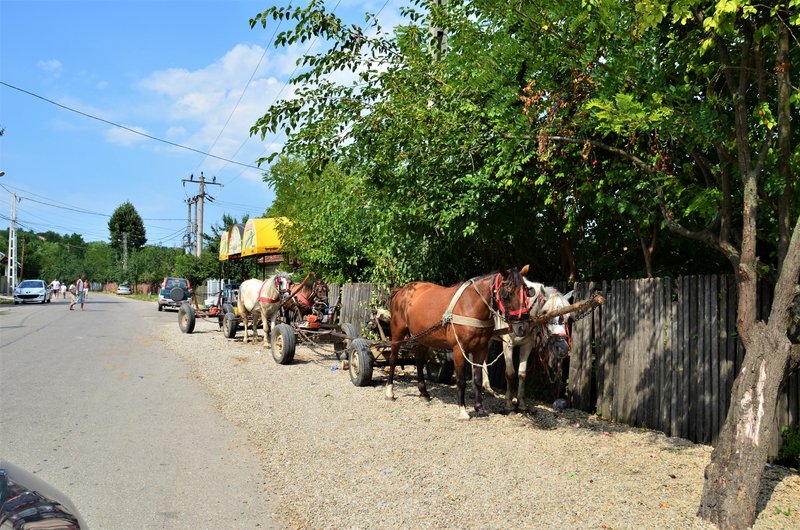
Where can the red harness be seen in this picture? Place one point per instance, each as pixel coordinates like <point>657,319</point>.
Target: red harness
<point>262,298</point>
<point>518,314</point>
<point>303,300</point>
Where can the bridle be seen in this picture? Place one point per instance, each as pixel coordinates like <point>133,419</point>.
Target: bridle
<point>566,335</point>
<point>516,315</point>
<point>281,286</point>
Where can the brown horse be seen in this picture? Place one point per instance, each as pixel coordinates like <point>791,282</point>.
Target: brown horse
<point>460,318</point>
<point>304,297</point>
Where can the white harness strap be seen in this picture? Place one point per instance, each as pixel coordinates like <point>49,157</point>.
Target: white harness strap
<point>450,318</point>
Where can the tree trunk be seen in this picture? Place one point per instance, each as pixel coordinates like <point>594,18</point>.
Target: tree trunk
<point>733,478</point>
<point>784,143</point>
<point>568,257</point>
<point>649,248</point>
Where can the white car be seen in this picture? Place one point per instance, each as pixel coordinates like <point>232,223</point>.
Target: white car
<point>32,291</point>
<point>124,288</point>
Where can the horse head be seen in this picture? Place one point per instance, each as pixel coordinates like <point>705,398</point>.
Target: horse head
<point>559,329</point>
<point>512,301</point>
<point>319,291</point>
<point>283,283</point>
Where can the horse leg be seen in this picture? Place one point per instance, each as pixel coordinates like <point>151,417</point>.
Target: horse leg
<point>397,339</point>
<point>508,355</point>
<point>477,382</point>
<point>461,381</point>
<point>421,354</point>
<point>524,355</point>
<point>254,322</point>
<point>266,323</point>
<point>245,318</point>
<point>487,385</point>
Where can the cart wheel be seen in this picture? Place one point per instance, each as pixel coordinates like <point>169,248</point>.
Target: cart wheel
<point>440,372</point>
<point>282,342</point>
<point>228,308</point>
<point>229,325</point>
<point>360,362</point>
<point>186,318</point>
<point>340,348</point>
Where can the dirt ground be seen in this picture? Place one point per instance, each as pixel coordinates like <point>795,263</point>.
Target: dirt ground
<point>337,455</point>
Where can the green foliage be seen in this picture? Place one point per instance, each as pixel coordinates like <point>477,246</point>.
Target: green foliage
<point>150,264</point>
<point>195,269</point>
<point>544,133</point>
<point>126,220</point>
<point>100,264</point>
<point>789,453</point>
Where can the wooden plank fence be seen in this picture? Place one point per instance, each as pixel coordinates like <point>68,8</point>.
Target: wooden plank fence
<point>358,300</point>
<point>660,353</point>
<point>663,355</point>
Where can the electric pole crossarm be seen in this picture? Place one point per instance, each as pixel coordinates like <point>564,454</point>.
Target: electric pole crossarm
<point>198,201</point>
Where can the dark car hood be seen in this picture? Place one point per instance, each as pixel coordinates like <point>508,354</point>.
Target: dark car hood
<point>28,502</point>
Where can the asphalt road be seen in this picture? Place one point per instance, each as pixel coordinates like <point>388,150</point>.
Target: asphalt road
<point>90,403</point>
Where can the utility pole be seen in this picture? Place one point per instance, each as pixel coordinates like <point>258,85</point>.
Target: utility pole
<point>11,266</point>
<point>198,200</point>
<point>189,230</point>
<point>124,251</point>
<point>438,35</point>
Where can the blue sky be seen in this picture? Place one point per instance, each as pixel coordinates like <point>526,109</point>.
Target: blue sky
<point>176,70</point>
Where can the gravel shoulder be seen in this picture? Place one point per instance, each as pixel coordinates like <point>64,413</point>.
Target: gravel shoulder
<point>338,456</point>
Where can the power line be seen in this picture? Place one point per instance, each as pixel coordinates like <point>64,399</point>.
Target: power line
<point>128,128</point>
<point>26,218</point>
<point>246,86</point>
<point>286,84</point>
<point>76,209</point>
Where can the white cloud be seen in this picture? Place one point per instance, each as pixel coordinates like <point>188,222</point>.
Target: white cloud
<point>213,108</point>
<point>125,137</point>
<point>176,133</point>
<point>51,66</point>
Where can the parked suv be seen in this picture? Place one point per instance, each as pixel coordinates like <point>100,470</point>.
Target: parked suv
<point>174,291</point>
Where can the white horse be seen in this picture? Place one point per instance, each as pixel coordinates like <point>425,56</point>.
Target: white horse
<point>550,341</point>
<point>262,299</point>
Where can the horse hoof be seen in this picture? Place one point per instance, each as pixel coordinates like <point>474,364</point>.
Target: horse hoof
<point>426,399</point>
<point>390,398</point>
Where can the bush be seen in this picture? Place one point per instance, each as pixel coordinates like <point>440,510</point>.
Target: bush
<point>789,454</point>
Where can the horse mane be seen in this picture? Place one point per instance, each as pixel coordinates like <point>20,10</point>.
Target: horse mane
<point>516,279</point>
<point>551,296</point>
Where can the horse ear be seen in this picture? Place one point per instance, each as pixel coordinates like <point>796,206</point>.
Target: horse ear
<point>569,296</point>
<point>524,270</point>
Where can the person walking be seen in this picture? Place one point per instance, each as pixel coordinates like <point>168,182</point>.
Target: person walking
<point>80,293</point>
<point>64,290</point>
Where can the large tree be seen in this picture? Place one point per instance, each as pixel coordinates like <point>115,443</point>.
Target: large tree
<point>570,124</point>
<point>126,222</point>
<point>697,96</point>
<point>433,165</point>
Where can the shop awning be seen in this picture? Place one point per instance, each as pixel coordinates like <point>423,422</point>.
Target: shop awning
<point>224,243</point>
<point>261,236</point>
